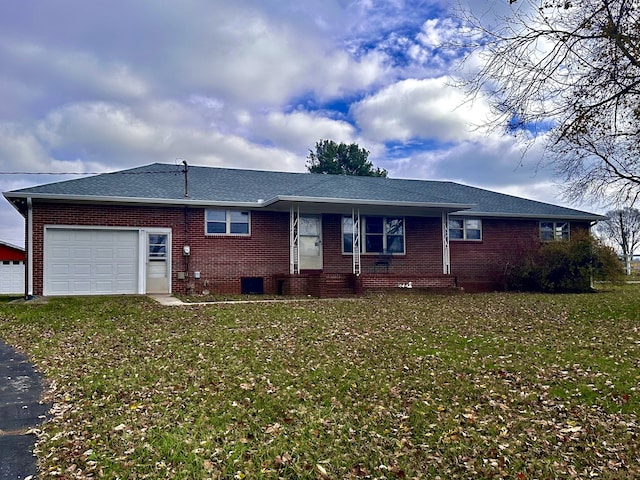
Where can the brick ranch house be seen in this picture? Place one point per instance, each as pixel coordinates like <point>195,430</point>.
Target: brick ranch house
<point>171,229</point>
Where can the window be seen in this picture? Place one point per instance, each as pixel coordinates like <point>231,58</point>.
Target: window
<point>226,222</point>
<point>550,231</point>
<point>465,229</point>
<point>380,234</point>
<point>347,235</point>
<point>157,247</point>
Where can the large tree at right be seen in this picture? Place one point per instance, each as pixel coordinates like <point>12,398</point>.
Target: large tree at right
<point>567,71</point>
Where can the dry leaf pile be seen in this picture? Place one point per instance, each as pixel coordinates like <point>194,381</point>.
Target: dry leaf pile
<point>489,386</point>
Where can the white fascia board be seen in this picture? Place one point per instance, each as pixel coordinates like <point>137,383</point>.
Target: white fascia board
<point>131,200</point>
<point>11,245</point>
<point>360,201</point>
<point>530,216</point>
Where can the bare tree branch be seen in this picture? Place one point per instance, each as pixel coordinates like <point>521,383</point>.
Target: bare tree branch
<point>569,72</point>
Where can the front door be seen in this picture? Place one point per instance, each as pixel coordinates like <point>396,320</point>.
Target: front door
<point>310,242</point>
<point>157,263</point>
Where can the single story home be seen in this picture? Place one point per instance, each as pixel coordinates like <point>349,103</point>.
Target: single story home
<point>11,269</point>
<point>164,228</point>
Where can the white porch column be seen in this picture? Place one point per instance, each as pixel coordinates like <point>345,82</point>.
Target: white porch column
<point>294,240</point>
<point>355,241</point>
<point>446,255</point>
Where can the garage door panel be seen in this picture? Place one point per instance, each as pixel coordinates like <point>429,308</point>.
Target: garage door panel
<point>80,270</point>
<point>86,261</point>
<point>107,253</point>
<point>61,253</point>
<point>83,253</point>
<point>59,269</point>
<point>104,269</point>
<point>126,270</point>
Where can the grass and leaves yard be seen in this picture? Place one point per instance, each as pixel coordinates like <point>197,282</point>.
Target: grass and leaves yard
<point>517,386</point>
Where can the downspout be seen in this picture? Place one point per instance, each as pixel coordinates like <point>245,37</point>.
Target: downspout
<point>186,240</point>
<point>591,285</point>
<point>29,240</point>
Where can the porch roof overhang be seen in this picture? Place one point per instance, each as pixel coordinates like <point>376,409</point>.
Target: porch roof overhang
<point>370,206</point>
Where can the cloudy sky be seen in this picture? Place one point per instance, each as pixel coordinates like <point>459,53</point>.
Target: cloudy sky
<point>100,86</point>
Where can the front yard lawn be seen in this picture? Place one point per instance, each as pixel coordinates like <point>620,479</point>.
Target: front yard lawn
<point>516,386</point>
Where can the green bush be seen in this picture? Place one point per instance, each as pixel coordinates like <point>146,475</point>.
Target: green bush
<point>567,266</point>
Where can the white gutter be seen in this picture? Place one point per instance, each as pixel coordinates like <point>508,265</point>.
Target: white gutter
<point>535,216</point>
<point>130,200</point>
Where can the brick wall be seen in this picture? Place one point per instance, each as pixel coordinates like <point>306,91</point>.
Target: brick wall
<point>482,265</point>
<point>223,260</point>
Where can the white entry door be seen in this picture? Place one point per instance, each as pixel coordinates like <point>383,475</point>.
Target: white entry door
<point>310,242</point>
<point>157,263</point>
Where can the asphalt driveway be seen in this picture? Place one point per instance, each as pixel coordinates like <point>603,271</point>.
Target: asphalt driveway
<point>21,388</point>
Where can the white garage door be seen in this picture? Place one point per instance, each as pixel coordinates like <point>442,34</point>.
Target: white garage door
<point>90,262</point>
<point>11,276</point>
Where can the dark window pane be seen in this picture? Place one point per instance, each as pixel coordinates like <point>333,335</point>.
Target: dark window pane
<point>395,244</point>
<point>456,234</point>
<point>374,225</point>
<point>157,239</point>
<point>240,228</point>
<point>347,243</point>
<point>473,234</point>
<point>374,243</point>
<point>216,227</point>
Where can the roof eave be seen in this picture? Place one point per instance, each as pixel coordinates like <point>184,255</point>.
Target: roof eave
<point>128,200</point>
<point>528,216</point>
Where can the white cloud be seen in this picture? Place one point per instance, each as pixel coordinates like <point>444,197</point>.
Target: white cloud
<point>20,150</point>
<point>250,84</point>
<point>426,109</point>
<point>299,131</point>
<point>105,131</point>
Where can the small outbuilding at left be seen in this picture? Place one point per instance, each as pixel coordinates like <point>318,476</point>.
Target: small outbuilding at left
<point>12,259</point>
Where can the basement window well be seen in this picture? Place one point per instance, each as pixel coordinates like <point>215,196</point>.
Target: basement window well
<point>252,285</point>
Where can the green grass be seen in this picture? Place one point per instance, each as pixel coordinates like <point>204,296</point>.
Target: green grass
<point>517,386</point>
<point>9,298</point>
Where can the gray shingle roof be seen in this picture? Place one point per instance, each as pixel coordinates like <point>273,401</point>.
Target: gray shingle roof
<point>163,183</point>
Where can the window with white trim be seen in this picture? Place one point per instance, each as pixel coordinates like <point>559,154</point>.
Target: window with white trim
<point>553,231</point>
<point>379,234</point>
<point>227,222</point>
<point>465,229</point>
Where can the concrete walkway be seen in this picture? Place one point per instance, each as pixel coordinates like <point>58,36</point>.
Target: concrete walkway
<point>21,389</point>
<point>171,301</point>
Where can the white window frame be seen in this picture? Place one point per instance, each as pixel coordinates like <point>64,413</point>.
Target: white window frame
<point>558,231</point>
<point>227,222</point>
<point>384,234</point>
<point>465,229</point>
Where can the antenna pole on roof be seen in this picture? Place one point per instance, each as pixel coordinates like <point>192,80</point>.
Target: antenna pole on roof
<point>186,178</point>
